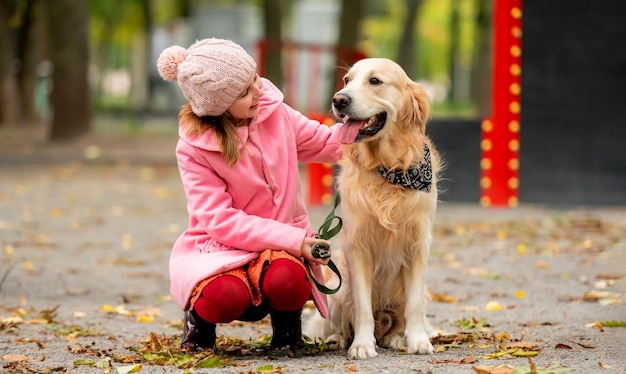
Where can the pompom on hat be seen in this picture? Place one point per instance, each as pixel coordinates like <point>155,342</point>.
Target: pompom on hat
<point>212,73</point>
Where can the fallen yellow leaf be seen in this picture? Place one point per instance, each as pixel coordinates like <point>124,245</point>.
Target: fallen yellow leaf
<point>128,369</point>
<point>460,230</point>
<point>120,309</point>
<point>145,318</point>
<point>598,295</point>
<point>498,354</point>
<point>162,192</point>
<point>165,297</point>
<point>524,353</point>
<point>146,174</point>
<point>504,336</point>
<point>14,358</point>
<point>9,250</point>
<point>173,228</point>
<point>484,369</point>
<point>127,242</point>
<point>93,152</point>
<point>609,302</point>
<point>15,319</point>
<point>493,306</point>
<point>442,298</point>
<point>598,325</point>
<point>520,294</point>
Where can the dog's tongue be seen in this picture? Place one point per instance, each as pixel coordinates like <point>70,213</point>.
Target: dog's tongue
<point>349,131</point>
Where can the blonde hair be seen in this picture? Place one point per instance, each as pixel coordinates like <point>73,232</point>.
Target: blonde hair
<point>224,127</point>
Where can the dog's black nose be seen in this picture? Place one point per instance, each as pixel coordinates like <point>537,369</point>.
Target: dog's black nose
<point>341,101</point>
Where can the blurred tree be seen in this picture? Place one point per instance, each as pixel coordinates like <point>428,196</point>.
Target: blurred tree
<point>69,98</point>
<point>453,48</point>
<point>407,48</point>
<point>273,20</point>
<point>481,64</point>
<point>148,28</point>
<point>352,13</point>
<point>19,50</point>
<point>25,54</point>
<point>5,60</point>
<point>112,29</point>
<point>183,8</point>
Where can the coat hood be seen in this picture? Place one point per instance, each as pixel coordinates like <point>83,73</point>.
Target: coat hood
<point>272,98</point>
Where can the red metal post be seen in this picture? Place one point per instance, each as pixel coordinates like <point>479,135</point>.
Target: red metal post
<point>320,176</point>
<point>500,142</point>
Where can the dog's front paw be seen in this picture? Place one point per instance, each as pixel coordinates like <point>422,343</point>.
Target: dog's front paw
<point>419,343</point>
<point>336,341</point>
<point>362,348</point>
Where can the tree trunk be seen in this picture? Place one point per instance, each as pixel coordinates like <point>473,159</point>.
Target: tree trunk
<point>18,62</point>
<point>453,51</point>
<point>352,12</point>
<point>184,8</point>
<point>26,54</point>
<point>273,13</point>
<point>146,8</point>
<point>481,62</point>
<point>408,45</point>
<point>68,23</point>
<point>5,62</point>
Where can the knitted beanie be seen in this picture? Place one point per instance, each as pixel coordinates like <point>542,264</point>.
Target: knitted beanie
<point>212,73</point>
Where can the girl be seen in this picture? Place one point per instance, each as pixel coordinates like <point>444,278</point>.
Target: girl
<point>238,154</point>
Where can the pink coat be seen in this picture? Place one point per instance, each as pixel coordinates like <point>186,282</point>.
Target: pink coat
<point>237,212</point>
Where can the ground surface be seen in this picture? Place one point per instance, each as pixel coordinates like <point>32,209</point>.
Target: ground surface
<point>85,233</point>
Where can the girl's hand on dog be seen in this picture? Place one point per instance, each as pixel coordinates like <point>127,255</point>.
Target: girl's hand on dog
<point>305,250</point>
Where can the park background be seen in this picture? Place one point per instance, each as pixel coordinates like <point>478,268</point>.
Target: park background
<point>91,200</point>
<point>73,67</point>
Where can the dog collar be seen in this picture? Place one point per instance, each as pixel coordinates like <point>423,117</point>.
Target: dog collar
<point>418,177</point>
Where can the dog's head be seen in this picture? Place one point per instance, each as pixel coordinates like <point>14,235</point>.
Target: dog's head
<point>377,93</point>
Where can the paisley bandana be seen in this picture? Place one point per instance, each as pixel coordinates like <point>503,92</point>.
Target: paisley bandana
<point>418,177</point>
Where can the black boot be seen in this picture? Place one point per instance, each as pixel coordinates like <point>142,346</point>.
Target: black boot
<point>198,334</point>
<point>287,331</point>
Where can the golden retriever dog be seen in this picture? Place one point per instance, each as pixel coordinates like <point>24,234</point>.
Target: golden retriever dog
<point>388,188</point>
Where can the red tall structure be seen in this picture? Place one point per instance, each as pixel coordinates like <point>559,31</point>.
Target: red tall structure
<point>500,142</point>
<point>320,177</point>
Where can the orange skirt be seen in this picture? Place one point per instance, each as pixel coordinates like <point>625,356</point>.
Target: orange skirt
<point>249,274</point>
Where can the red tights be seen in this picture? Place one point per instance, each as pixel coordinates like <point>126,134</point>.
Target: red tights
<point>284,286</point>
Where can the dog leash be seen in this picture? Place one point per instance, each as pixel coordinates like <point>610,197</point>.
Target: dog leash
<point>331,227</point>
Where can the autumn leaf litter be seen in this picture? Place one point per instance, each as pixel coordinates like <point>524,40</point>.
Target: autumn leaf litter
<point>84,287</point>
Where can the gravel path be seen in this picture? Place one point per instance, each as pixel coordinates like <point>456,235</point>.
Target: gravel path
<point>85,235</point>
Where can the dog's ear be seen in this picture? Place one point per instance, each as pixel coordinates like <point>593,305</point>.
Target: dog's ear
<point>416,106</point>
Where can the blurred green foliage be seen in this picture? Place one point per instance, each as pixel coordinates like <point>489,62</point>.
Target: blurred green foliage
<point>116,25</point>
<point>381,34</point>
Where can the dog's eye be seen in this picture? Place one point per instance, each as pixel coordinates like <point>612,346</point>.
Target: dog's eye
<point>346,80</point>
<point>375,81</point>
